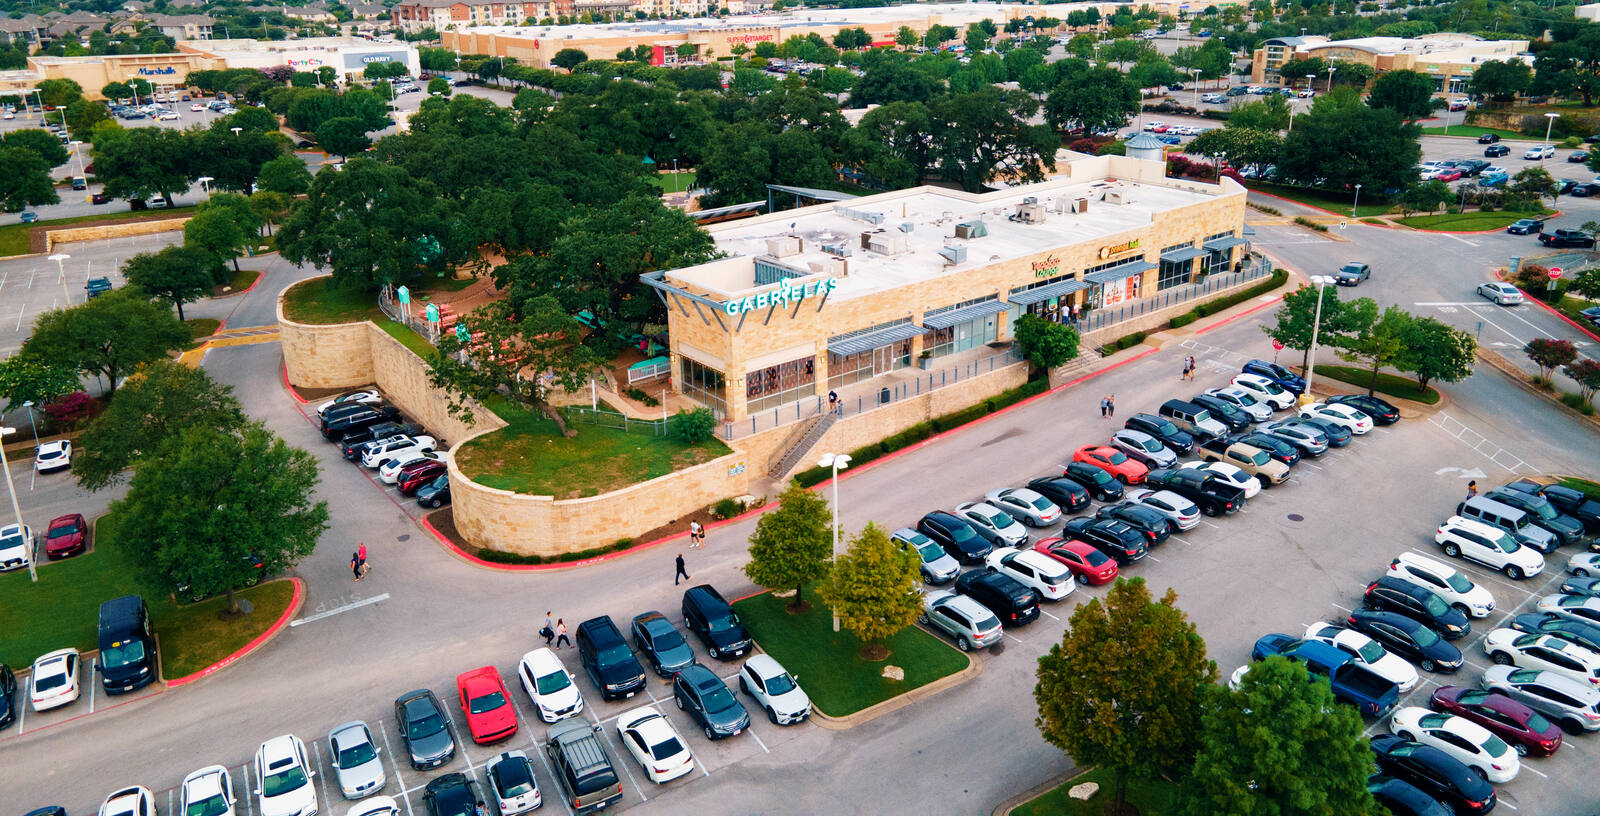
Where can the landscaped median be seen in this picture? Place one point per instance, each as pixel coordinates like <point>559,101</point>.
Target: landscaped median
<point>1152,798</point>
<point>828,664</point>
<point>1387,384</point>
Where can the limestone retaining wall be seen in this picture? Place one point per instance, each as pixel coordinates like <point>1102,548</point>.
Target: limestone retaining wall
<point>122,230</point>
<point>872,426</point>
<point>403,378</point>
<point>337,355</point>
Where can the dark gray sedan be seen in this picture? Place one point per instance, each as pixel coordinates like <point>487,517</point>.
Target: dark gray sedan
<point>424,729</point>
<point>1352,274</point>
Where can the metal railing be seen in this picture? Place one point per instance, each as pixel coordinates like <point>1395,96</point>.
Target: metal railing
<point>652,369</point>
<point>579,415</point>
<point>1109,316</point>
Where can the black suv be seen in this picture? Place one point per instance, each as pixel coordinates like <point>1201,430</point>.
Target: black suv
<point>607,658</point>
<point>1567,238</point>
<point>1010,601</point>
<point>1411,639</point>
<point>8,696</point>
<point>709,616</point>
<point>1381,410</point>
<point>1112,537</point>
<point>1574,503</point>
<point>350,418</point>
<point>1146,519</point>
<point>963,540</point>
<point>1488,138</point>
<point>1226,412</point>
<point>1210,492</point>
<point>1424,605</point>
<point>1096,480</point>
<point>1066,493</point>
<point>1180,442</point>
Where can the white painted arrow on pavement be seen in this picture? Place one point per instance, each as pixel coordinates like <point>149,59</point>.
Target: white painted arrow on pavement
<point>1465,474</point>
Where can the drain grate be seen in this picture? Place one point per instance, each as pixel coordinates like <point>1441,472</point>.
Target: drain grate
<point>1296,517</point>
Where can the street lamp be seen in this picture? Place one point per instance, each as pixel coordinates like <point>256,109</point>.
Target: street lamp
<point>61,259</point>
<point>204,182</point>
<point>77,153</point>
<point>1356,203</point>
<point>835,462</point>
<point>236,131</point>
<point>1330,78</point>
<point>1316,326</point>
<point>1194,82</point>
<point>16,510</point>
<point>29,405</point>
<point>1549,122</point>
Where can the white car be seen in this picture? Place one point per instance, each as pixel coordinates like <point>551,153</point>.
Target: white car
<point>1232,474</point>
<point>1264,390</point>
<point>16,547</point>
<point>1539,152</point>
<point>53,456</point>
<point>998,521</point>
<point>284,778</point>
<point>1025,505</point>
<point>167,116</point>
<point>1460,738</point>
<point>1503,294</point>
<point>55,680</point>
<point>1181,513</point>
<point>197,107</point>
<point>354,757</point>
<point>1582,565</point>
<point>366,396</point>
<point>1443,580</point>
<point>134,801</point>
<point>389,472</point>
<point>511,781</point>
<point>1508,647</point>
<point>382,452</point>
<point>549,685</point>
<point>1352,418</point>
<point>1048,578</point>
<point>775,690</point>
<point>655,744</point>
<point>1366,652</point>
<point>1144,448</point>
<point>1571,607</point>
<point>1236,679</point>
<point>1240,398</point>
<point>1490,546</point>
<point>375,806</point>
<point>206,792</point>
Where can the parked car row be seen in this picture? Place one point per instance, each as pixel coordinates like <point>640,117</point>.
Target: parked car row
<point>379,438</point>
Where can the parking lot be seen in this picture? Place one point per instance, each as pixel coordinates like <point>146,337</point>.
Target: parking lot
<point>34,285</point>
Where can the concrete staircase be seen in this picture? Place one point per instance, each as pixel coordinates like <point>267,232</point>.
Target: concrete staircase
<point>800,442</point>
<point>1074,368</point>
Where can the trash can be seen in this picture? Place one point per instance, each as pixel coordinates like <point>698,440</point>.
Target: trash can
<point>883,396</point>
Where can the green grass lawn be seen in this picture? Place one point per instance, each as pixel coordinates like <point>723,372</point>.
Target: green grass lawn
<point>242,280</point>
<point>1152,797</point>
<point>14,237</point>
<point>1464,222</point>
<point>1584,486</point>
<point>1394,386</point>
<point>202,326</point>
<point>826,662</point>
<point>1474,132</point>
<point>670,182</point>
<point>399,331</point>
<point>314,301</point>
<point>1331,200</point>
<point>531,456</point>
<point>1573,306</point>
<point>63,609</point>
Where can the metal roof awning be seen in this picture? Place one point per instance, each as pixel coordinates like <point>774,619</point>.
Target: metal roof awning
<point>1119,272</point>
<point>877,339</point>
<point>1180,255</point>
<point>945,320</point>
<point>1039,294</point>
<point>1220,244</point>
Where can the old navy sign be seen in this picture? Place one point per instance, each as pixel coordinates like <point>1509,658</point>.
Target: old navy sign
<point>785,293</point>
<point>157,71</point>
<point>378,58</point>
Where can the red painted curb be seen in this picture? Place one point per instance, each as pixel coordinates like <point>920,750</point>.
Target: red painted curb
<point>287,387</point>
<point>283,620</point>
<point>80,716</point>
<point>248,289</point>
<point>1558,313</point>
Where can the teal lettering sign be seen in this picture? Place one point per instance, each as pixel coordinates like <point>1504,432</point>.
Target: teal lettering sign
<point>784,294</point>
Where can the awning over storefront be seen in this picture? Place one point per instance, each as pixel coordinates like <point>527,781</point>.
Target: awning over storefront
<point>945,320</point>
<point>1119,272</point>
<point>1180,255</point>
<point>877,339</point>
<point>1229,242</point>
<point>1040,294</point>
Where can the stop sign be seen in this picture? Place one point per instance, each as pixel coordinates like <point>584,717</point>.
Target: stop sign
<point>1277,345</point>
<point>1555,273</point>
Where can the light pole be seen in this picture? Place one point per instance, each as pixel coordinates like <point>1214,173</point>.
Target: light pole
<point>1194,82</point>
<point>16,510</point>
<point>1356,203</point>
<point>1330,78</point>
<point>61,269</point>
<point>236,131</point>
<point>205,181</point>
<point>29,405</point>
<point>1549,122</point>
<point>1316,326</point>
<point>77,153</point>
<point>835,462</point>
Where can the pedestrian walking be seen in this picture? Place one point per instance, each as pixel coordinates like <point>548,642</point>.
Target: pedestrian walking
<point>1184,375</point>
<point>1192,366</point>
<point>1103,404</point>
<point>697,535</point>
<point>1074,314</point>
<point>1472,488</point>
<point>1111,406</point>
<point>833,401</point>
<point>547,631</point>
<point>680,573</point>
<point>355,565</point>
<point>561,633</point>
<point>361,555</point>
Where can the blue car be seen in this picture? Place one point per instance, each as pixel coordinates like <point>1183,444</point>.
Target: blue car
<point>1493,179</point>
<point>1167,138</point>
<point>1286,379</point>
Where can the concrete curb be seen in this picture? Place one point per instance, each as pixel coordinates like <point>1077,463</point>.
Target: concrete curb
<point>259,641</point>
<point>899,701</point>
<point>1558,313</point>
<point>1504,366</point>
<point>1005,808</point>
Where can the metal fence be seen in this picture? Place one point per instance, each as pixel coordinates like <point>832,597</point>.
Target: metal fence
<point>579,415</point>
<point>651,369</point>
<point>413,319</point>
<point>1109,316</point>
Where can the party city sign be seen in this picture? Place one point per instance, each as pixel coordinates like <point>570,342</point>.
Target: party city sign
<point>784,294</point>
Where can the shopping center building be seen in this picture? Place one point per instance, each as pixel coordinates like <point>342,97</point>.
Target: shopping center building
<point>1449,59</point>
<point>813,300</point>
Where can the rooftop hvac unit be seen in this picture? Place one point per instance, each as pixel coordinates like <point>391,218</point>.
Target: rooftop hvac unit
<point>783,246</point>
<point>1030,200</point>
<point>838,250</point>
<point>907,226</point>
<point>1118,197</point>
<point>955,254</point>
<point>1028,212</point>
<point>866,238</point>
<point>859,215</point>
<point>887,243</point>
<point>829,266</point>
<point>971,229</point>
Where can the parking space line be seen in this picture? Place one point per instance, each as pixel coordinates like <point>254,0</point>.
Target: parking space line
<point>1529,769</point>
<point>322,775</point>
<point>625,769</point>
<point>1209,524</point>
<point>92,684</point>
<point>169,801</point>
<point>692,754</point>
<point>27,694</point>
<point>1153,558</point>
<point>394,762</point>
<point>545,761</point>
<point>1311,465</point>
<point>1013,637</point>
<point>1509,805</point>
<point>753,735</point>
<point>454,735</point>
<point>1183,540</point>
<point>1048,615</point>
<point>1345,608</point>
<point>249,804</point>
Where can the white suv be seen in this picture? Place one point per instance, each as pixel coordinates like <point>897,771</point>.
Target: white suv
<point>1540,152</point>
<point>1490,546</point>
<point>394,447</point>
<point>1036,571</point>
<point>1265,390</point>
<point>1445,581</point>
<point>1508,647</point>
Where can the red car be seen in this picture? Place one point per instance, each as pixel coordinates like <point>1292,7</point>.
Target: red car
<point>1112,461</point>
<point>413,476</point>
<point>490,716</point>
<point>1525,729</point>
<point>65,537</point>
<point>1448,174</point>
<point>1088,565</point>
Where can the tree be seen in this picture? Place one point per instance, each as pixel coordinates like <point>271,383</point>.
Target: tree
<point>1297,315</point>
<point>1586,373</point>
<point>1407,93</point>
<point>1270,114</point>
<point>343,136</point>
<point>1122,689</point>
<point>1240,146</point>
<point>1101,99</point>
<point>83,115</point>
<point>976,39</point>
<point>1427,196</point>
<point>1435,351</point>
<point>165,399</point>
<point>370,224</point>
<point>116,90</point>
<point>26,181</point>
<point>326,76</point>
<point>1550,355</point>
<point>144,162</point>
<point>439,86</point>
<point>1499,80</point>
<point>270,207</point>
<point>875,589</point>
<point>176,274</point>
<point>214,509</point>
<point>1367,146</point>
<point>569,58</point>
<point>905,37</point>
<point>1587,282</point>
<point>543,338</point>
<point>1281,744</point>
<point>30,379</point>
<point>215,233</point>
<point>41,142</point>
<point>792,545</point>
<point>58,93</point>
<point>1379,339</point>
<point>1046,344</point>
<point>986,136</point>
<point>108,336</point>
<point>285,174</point>
<point>1532,183</point>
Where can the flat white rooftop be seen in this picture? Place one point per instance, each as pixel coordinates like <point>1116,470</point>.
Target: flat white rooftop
<point>934,215</point>
<point>956,14</point>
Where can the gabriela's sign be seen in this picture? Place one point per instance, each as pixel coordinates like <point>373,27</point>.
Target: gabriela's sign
<point>785,293</point>
<point>1118,249</point>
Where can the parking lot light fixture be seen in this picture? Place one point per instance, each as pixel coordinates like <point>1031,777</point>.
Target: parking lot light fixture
<point>16,509</point>
<point>835,462</point>
<point>61,259</point>
<point>1549,122</point>
<point>1316,324</point>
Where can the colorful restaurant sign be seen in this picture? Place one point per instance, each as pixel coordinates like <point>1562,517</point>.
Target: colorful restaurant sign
<point>1118,249</point>
<point>1047,267</point>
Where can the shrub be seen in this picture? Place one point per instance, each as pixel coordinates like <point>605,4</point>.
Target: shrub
<point>638,395</point>
<point>502,557</point>
<point>1577,403</point>
<point>1212,307</point>
<point>1184,319</point>
<point>71,409</point>
<point>1264,208</point>
<point>694,426</point>
<point>727,508</point>
<point>1085,145</point>
<point>1306,222</point>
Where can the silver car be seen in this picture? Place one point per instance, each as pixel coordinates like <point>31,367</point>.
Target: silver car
<point>937,565</point>
<point>1244,401</point>
<point>1025,505</point>
<point>355,760</point>
<point>1181,513</point>
<point>1007,529</point>
<point>1144,448</point>
<point>1571,607</point>
<point>1310,441</point>
<point>962,618</point>
<point>1573,705</point>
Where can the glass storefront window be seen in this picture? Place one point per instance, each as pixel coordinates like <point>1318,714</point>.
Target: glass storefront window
<point>783,383</point>
<point>705,384</point>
